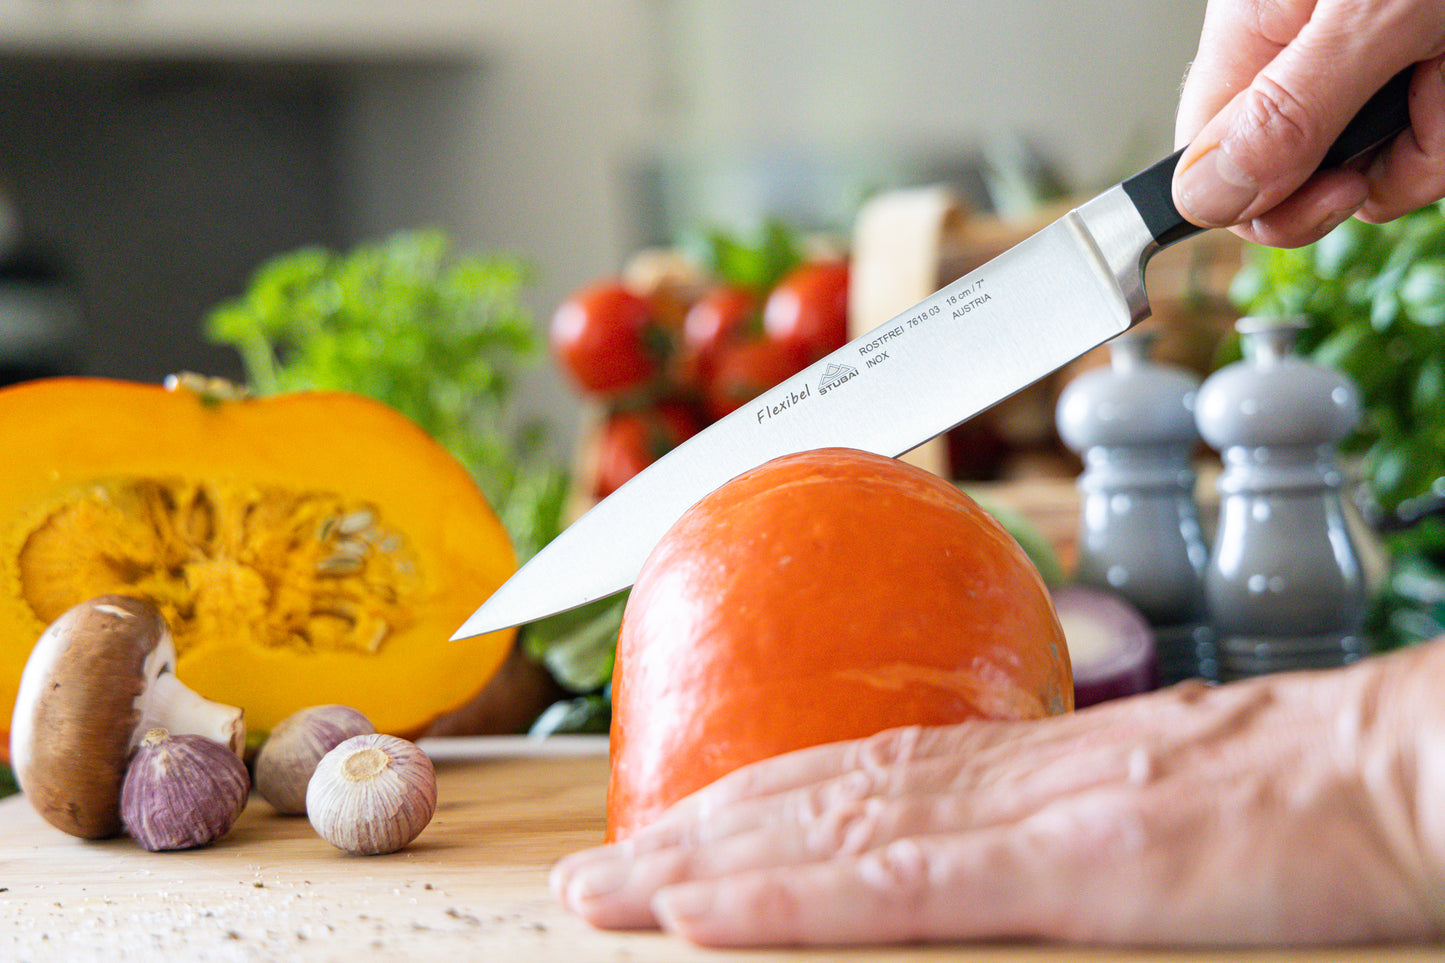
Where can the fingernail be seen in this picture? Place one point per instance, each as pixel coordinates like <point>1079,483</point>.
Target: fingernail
<point>679,904</point>
<point>1215,190</point>
<point>597,879</point>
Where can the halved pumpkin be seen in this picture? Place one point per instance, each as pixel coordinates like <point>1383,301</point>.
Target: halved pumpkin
<point>305,548</point>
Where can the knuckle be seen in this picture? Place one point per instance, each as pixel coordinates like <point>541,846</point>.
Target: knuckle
<point>847,829</point>
<point>810,805</point>
<point>901,870</point>
<point>1286,121</point>
<point>885,756</point>
<point>1273,20</point>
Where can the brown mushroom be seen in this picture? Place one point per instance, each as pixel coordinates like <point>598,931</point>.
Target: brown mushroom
<point>98,678</point>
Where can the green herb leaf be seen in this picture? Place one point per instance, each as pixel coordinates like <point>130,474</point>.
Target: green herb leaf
<point>757,264</point>
<point>578,647</point>
<point>1374,300</point>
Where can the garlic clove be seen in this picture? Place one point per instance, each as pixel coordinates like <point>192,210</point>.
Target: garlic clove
<point>372,794</point>
<point>290,753</point>
<point>181,791</point>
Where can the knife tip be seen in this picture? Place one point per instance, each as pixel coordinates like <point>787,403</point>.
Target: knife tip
<point>479,623</point>
<point>470,629</point>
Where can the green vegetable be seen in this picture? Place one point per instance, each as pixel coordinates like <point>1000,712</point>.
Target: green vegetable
<point>578,647</point>
<point>1031,539</point>
<point>440,339</point>
<point>1373,297</point>
<point>757,264</point>
<point>584,714</point>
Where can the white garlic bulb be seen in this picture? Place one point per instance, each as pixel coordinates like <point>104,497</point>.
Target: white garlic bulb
<point>290,753</point>
<point>372,794</point>
<point>181,791</point>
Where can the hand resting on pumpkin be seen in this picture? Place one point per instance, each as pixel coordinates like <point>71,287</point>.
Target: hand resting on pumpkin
<point>1306,808</point>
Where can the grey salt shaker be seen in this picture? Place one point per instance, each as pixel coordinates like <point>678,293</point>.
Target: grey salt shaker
<point>1285,585</point>
<point>1139,532</point>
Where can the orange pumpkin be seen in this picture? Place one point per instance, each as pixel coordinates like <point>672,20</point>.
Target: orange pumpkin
<point>824,596</point>
<point>304,548</point>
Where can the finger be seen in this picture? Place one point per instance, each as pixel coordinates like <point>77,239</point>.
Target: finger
<point>717,829</point>
<point>603,883</point>
<point>1323,203</point>
<point>1131,743</point>
<point>1026,759</point>
<point>1271,136</point>
<point>1003,882</point>
<point>884,752</point>
<point>798,787</point>
<point>616,888</point>
<point>1236,42</point>
<point>1410,172</point>
<point>613,887</point>
<point>900,749</point>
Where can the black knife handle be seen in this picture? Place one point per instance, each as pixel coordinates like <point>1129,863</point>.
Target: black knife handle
<point>1383,116</point>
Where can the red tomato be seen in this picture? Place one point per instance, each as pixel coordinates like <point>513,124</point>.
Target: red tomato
<point>809,309</point>
<point>603,337</point>
<point>743,370</point>
<point>723,314</point>
<point>632,440</point>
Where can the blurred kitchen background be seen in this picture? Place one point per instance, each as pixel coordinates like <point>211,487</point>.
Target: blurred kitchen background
<point>154,152</point>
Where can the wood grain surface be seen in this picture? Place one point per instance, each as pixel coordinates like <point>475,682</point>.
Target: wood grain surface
<point>472,887</point>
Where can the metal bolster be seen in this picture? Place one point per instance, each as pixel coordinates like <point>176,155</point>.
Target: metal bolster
<point>1111,227</point>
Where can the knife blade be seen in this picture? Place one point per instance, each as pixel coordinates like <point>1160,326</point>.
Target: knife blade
<point>1056,295</point>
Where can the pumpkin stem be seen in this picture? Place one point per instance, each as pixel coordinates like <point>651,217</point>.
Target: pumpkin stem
<point>211,390</point>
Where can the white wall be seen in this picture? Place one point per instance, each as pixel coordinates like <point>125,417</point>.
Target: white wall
<point>525,151</point>
<point>571,95</point>
<point>1093,80</point>
<point>518,125</point>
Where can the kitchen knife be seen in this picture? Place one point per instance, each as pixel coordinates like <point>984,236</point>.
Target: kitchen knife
<point>1056,295</point>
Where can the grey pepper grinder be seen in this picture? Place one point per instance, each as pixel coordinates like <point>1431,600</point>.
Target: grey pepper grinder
<point>1285,585</point>
<point>1139,533</point>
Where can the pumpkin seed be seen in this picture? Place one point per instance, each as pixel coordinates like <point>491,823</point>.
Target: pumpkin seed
<point>354,522</point>
<point>339,565</point>
<point>350,548</point>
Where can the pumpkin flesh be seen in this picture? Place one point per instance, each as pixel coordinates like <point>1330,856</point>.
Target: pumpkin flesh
<point>304,549</point>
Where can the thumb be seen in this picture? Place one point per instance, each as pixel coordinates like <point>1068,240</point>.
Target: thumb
<point>1271,136</point>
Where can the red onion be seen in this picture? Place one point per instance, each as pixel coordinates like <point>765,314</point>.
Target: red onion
<point>1110,644</point>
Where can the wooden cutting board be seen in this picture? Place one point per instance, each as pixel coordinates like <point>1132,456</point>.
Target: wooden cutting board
<point>472,887</point>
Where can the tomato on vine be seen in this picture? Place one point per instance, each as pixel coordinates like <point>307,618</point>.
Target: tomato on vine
<point>605,338</point>
<point>743,370</point>
<point>808,309</point>
<point>630,440</point>
<point>724,314</point>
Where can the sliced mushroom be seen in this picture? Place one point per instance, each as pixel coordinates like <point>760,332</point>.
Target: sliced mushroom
<point>98,678</point>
